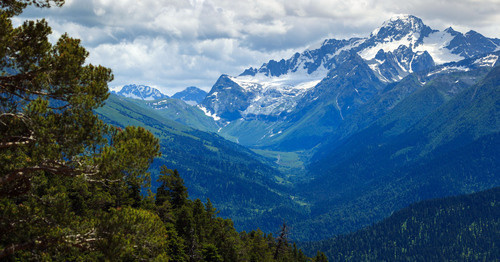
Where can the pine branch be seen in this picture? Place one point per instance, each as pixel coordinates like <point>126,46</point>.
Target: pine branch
<point>16,247</point>
<point>51,166</point>
<point>21,140</point>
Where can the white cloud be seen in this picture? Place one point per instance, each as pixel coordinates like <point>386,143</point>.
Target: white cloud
<point>172,44</point>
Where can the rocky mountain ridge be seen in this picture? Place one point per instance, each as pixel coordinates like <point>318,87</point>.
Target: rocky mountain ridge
<point>141,92</point>
<point>336,78</point>
<point>402,45</point>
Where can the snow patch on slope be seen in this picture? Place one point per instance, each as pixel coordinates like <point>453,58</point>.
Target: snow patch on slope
<point>207,113</point>
<point>375,67</point>
<point>435,44</point>
<point>130,95</point>
<point>449,69</point>
<point>294,80</point>
<point>347,48</point>
<point>388,46</point>
<point>274,95</point>
<point>488,61</point>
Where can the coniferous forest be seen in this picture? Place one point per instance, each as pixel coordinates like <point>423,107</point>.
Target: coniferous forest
<point>462,228</point>
<point>76,189</point>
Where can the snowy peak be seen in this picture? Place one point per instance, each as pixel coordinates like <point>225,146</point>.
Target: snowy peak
<point>401,46</point>
<point>191,95</point>
<point>273,89</point>
<point>443,46</point>
<point>404,44</point>
<point>226,100</point>
<point>305,63</point>
<point>141,92</point>
<point>400,30</point>
<point>451,31</point>
<point>402,26</point>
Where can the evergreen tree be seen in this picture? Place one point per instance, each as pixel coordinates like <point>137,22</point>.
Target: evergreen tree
<point>171,188</point>
<point>61,167</point>
<point>210,253</point>
<point>320,257</point>
<point>282,241</point>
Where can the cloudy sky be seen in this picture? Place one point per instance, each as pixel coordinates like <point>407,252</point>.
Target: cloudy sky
<point>172,44</point>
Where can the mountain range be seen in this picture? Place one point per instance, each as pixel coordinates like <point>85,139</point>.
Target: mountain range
<point>340,136</point>
<point>427,146</point>
<point>191,95</point>
<point>324,86</point>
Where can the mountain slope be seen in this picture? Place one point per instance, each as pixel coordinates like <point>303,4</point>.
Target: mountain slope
<point>462,228</point>
<point>394,110</point>
<point>472,114</point>
<point>453,149</point>
<point>470,168</point>
<point>323,107</point>
<point>181,112</point>
<point>233,177</point>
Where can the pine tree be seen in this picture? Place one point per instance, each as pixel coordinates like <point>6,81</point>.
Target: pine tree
<point>61,167</point>
<point>171,188</point>
<point>282,241</point>
<point>210,253</point>
<point>320,257</point>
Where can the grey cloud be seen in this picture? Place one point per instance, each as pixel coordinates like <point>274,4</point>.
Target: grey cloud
<point>172,44</point>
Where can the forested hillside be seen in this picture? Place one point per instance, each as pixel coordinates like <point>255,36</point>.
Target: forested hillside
<point>449,150</point>
<point>240,183</point>
<point>462,228</point>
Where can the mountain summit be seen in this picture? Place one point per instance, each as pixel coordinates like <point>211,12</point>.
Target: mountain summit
<point>191,95</point>
<point>400,27</point>
<point>141,92</point>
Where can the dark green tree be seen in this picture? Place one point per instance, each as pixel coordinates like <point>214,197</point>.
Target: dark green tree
<point>320,257</point>
<point>171,188</point>
<point>210,253</point>
<point>61,167</point>
<point>282,241</point>
<point>128,234</point>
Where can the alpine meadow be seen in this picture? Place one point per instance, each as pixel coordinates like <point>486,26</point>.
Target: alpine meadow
<point>350,146</point>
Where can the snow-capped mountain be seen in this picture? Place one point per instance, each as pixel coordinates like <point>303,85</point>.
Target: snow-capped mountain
<point>401,46</point>
<point>191,95</point>
<point>141,92</point>
<point>404,45</point>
